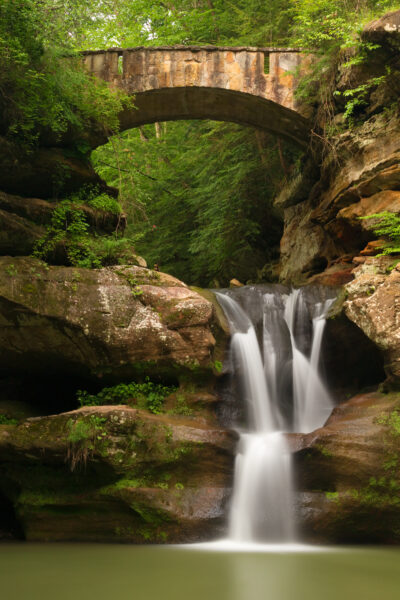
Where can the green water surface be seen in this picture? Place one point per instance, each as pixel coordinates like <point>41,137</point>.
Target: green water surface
<point>75,572</point>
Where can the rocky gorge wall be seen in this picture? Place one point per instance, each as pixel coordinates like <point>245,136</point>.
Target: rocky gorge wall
<point>348,486</point>
<point>124,473</point>
<point>355,170</point>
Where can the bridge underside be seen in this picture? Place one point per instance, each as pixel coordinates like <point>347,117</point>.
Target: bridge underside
<point>181,103</point>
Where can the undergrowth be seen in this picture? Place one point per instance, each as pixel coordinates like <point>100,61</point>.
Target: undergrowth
<point>147,395</point>
<point>68,237</point>
<point>6,420</point>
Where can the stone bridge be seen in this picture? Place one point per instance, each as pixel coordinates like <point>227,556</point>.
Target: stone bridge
<point>249,86</point>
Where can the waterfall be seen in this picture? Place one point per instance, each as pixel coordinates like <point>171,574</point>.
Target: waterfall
<point>275,351</point>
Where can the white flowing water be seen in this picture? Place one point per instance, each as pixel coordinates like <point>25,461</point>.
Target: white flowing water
<point>283,391</point>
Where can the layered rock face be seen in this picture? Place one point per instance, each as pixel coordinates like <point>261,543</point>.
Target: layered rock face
<point>347,473</point>
<point>110,473</point>
<point>23,223</point>
<point>359,174</point>
<point>102,473</point>
<point>366,182</point>
<point>116,473</point>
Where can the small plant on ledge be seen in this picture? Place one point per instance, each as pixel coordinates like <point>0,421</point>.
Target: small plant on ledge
<point>387,226</point>
<point>147,395</point>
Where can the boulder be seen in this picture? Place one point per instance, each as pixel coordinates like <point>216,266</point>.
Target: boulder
<point>115,473</point>
<point>235,283</point>
<point>110,323</point>
<point>347,474</point>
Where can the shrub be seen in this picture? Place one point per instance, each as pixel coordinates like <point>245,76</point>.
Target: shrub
<point>146,395</point>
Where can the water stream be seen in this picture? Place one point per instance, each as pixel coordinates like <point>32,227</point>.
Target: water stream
<point>275,355</point>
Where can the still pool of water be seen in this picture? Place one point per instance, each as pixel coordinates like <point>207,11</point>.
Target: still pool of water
<point>74,572</point>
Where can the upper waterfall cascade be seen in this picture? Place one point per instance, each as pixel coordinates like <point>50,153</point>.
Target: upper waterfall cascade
<point>275,354</point>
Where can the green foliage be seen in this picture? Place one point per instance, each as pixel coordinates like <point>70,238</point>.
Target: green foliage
<point>11,270</point>
<point>388,226</point>
<point>334,496</point>
<point>359,97</point>
<point>181,406</point>
<point>218,366</point>
<point>103,202</point>
<point>321,24</point>
<point>148,395</point>
<point>43,84</point>
<point>392,421</point>
<point>200,194</point>
<point>6,420</point>
<point>82,430</point>
<point>68,235</point>
<point>244,22</point>
<point>330,30</point>
<point>84,436</point>
<point>68,229</point>
<point>132,281</point>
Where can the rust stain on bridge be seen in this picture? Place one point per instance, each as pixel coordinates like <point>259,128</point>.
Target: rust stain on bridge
<point>207,82</point>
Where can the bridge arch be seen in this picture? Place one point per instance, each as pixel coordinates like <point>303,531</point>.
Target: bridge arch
<point>218,83</point>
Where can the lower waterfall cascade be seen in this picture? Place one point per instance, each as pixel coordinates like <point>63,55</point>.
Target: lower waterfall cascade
<point>275,356</point>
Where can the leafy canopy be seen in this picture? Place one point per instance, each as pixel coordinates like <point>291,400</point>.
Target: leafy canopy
<point>43,85</point>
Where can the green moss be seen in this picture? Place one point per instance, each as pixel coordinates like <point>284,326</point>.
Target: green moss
<point>122,484</point>
<point>392,421</point>
<point>41,497</point>
<point>151,516</point>
<point>181,406</point>
<point>333,496</point>
<point>29,288</point>
<point>11,270</point>
<point>324,451</point>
